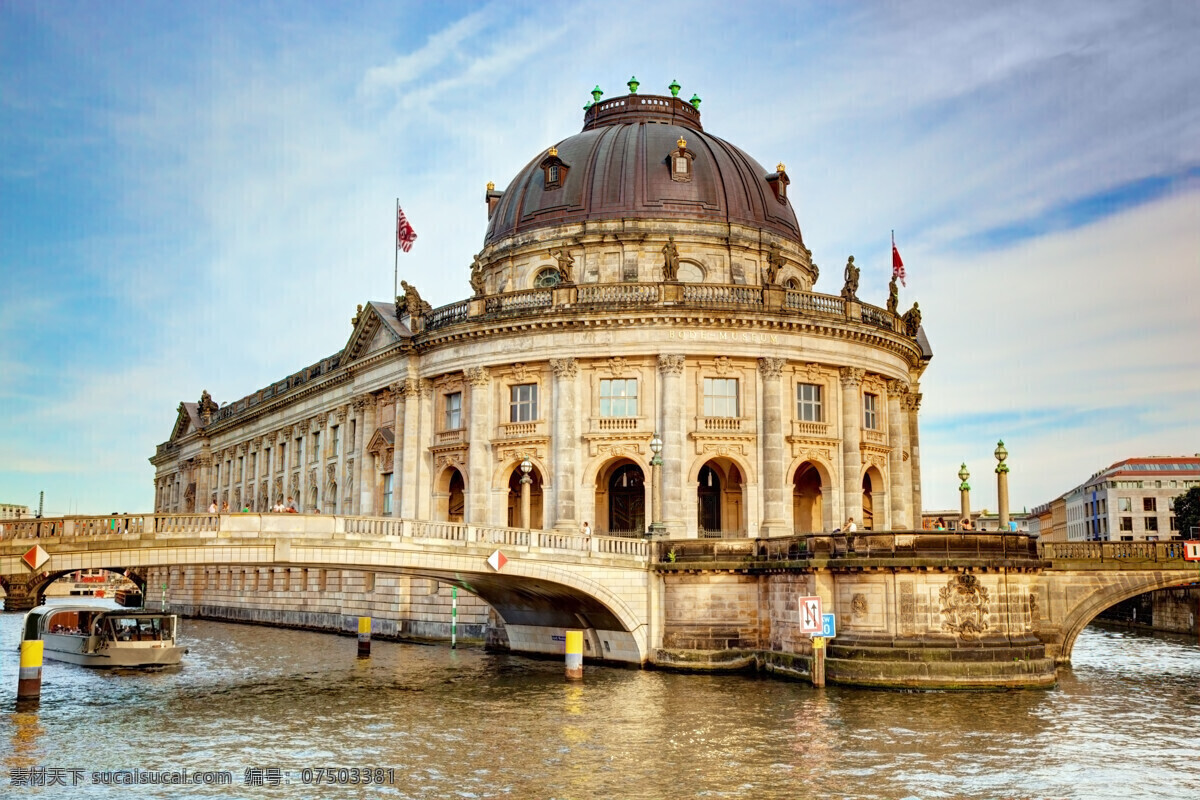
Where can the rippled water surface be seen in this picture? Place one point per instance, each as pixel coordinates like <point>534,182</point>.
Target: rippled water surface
<point>1123,723</point>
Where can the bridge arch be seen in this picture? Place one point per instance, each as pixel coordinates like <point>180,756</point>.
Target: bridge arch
<point>1105,593</point>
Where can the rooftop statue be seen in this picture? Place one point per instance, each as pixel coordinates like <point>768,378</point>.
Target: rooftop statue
<point>912,320</point>
<point>477,283</point>
<point>850,290</point>
<point>411,301</point>
<point>670,260</point>
<point>893,302</point>
<point>775,262</point>
<point>565,262</point>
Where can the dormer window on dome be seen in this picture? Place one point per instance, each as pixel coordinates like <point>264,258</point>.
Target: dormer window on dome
<point>681,162</point>
<point>554,170</point>
<point>778,181</point>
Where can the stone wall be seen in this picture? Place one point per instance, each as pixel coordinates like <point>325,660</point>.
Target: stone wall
<point>1167,610</point>
<point>400,606</point>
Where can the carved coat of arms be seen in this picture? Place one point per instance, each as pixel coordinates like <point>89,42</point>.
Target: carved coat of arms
<point>965,607</point>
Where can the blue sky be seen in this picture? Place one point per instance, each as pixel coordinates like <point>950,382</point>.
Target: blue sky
<point>197,195</point>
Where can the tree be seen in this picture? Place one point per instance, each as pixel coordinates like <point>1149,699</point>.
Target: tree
<point>1187,511</point>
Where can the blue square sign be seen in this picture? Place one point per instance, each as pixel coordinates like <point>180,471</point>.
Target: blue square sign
<point>828,626</point>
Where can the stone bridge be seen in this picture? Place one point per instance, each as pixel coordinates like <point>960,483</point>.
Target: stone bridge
<point>550,581</point>
<point>914,609</point>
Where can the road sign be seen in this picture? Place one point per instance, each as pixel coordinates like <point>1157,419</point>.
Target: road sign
<point>810,615</point>
<point>36,557</point>
<point>818,642</point>
<point>1191,551</point>
<point>828,626</point>
<point>497,561</point>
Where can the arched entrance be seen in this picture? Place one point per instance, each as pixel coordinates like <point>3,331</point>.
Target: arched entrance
<point>627,499</point>
<point>514,498</point>
<point>449,495</point>
<point>719,499</point>
<point>808,512</point>
<point>874,497</point>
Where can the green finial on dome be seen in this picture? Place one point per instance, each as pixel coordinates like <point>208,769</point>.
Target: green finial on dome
<point>674,87</point>
<point>695,101</point>
<point>588,105</point>
<point>633,84</point>
<point>597,93</point>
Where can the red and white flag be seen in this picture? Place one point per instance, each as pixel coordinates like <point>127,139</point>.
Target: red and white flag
<point>405,235</point>
<point>897,264</point>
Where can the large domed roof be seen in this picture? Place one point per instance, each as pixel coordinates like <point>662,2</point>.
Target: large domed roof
<point>620,166</point>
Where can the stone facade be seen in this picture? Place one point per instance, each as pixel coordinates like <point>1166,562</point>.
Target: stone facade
<point>622,293</point>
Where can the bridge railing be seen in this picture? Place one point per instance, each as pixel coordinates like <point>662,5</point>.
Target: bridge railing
<point>319,525</point>
<point>874,544</point>
<point>1113,551</point>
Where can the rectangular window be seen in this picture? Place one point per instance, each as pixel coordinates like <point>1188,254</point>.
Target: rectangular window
<point>1126,523</point>
<point>808,403</point>
<point>1149,504</point>
<point>871,412</point>
<point>353,434</point>
<point>1174,524</point>
<point>720,397</point>
<point>619,398</point>
<point>1124,504</point>
<point>217,476</point>
<point>335,441</point>
<point>241,468</point>
<point>387,493</point>
<point>1151,523</point>
<point>1170,504</point>
<point>453,411</point>
<point>298,452</point>
<point>283,457</point>
<point>523,403</point>
<point>254,465</point>
<point>267,461</point>
<point>316,450</point>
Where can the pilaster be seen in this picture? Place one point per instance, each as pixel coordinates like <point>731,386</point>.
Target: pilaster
<point>851,379</point>
<point>365,406</point>
<point>479,450</point>
<point>774,521</point>
<point>565,442</point>
<point>674,436</point>
<point>899,492</point>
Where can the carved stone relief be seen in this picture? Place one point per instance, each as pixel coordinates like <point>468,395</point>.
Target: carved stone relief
<point>858,605</point>
<point>964,607</point>
<point>908,605</point>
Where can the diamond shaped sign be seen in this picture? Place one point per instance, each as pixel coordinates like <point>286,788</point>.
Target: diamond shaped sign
<point>35,557</point>
<point>497,561</point>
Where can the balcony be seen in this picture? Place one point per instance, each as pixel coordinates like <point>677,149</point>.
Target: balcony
<point>521,430</point>
<point>874,437</point>
<point>720,424</point>
<point>456,436</point>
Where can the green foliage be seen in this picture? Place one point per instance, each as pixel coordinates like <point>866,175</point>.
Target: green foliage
<point>1187,511</point>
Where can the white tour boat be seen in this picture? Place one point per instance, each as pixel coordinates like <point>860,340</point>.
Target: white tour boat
<point>102,636</point>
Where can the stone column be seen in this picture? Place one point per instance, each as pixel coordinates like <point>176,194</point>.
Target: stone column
<point>774,521</point>
<point>424,457</point>
<point>914,441</point>
<point>674,436</point>
<point>319,424</point>
<point>479,461</point>
<point>565,438</point>
<point>964,494</point>
<point>412,422</point>
<point>851,454</point>
<point>340,506</point>
<point>1002,485</point>
<point>203,475</point>
<point>365,406</point>
<point>248,473</point>
<point>398,394</point>
<point>897,490</point>
<point>301,457</point>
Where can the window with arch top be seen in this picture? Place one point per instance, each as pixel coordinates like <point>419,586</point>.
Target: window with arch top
<point>547,278</point>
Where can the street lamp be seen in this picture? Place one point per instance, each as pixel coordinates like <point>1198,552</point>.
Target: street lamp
<point>1002,483</point>
<point>964,493</point>
<point>526,468</point>
<point>657,529</point>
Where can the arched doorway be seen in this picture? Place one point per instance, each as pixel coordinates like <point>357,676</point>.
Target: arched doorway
<point>514,498</point>
<point>808,512</point>
<point>719,499</point>
<point>874,500</point>
<point>449,495</point>
<point>627,499</point>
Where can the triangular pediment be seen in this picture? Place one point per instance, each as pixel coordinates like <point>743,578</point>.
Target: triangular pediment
<point>383,439</point>
<point>186,422</point>
<point>375,328</point>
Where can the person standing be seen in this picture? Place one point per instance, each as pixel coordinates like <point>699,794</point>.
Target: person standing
<point>849,527</point>
<point>586,530</point>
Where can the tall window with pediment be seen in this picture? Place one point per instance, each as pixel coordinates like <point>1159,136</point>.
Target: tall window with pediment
<point>720,397</point>
<point>522,405</point>
<point>453,416</point>
<point>809,406</point>
<point>619,397</point>
<point>871,412</point>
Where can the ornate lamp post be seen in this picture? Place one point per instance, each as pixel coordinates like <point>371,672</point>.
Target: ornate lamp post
<point>657,528</point>
<point>964,492</point>
<point>1002,483</point>
<point>526,468</point>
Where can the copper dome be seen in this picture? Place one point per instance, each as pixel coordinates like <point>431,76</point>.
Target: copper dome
<point>619,167</point>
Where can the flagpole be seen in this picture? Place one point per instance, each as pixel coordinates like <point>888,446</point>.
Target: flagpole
<point>396,254</point>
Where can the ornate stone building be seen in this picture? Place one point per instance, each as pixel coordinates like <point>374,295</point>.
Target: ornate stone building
<point>640,278</point>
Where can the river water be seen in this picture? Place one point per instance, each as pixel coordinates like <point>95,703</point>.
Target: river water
<point>277,706</point>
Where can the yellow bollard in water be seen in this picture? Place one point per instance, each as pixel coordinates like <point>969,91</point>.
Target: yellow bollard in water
<point>574,655</point>
<point>364,637</point>
<point>29,677</point>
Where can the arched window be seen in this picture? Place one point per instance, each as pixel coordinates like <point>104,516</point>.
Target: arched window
<point>547,278</point>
